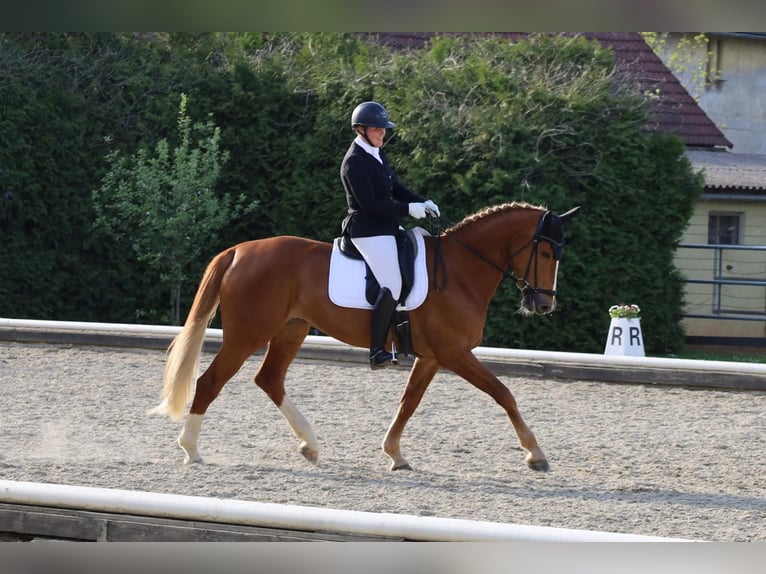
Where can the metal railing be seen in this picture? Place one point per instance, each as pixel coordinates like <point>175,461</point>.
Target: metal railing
<point>720,280</point>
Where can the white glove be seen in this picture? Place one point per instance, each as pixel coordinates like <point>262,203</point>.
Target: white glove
<point>432,208</point>
<point>417,210</point>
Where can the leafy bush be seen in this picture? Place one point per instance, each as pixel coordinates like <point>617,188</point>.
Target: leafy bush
<point>480,122</point>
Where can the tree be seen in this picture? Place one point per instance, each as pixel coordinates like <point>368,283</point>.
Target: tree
<point>483,121</point>
<point>164,204</point>
<point>687,58</point>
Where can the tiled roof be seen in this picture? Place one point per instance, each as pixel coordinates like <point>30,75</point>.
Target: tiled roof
<point>726,171</point>
<point>675,112</point>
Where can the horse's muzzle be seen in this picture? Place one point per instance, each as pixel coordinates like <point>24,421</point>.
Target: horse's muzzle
<point>538,303</point>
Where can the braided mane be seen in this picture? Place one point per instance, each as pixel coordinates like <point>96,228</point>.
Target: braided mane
<point>488,211</point>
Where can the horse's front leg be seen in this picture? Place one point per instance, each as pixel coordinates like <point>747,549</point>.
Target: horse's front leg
<point>468,366</point>
<point>423,371</point>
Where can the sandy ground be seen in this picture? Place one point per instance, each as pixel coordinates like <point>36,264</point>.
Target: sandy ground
<point>624,458</point>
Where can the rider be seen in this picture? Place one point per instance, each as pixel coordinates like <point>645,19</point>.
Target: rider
<point>376,199</point>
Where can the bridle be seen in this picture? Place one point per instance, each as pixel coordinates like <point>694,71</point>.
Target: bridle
<point>558,246</point>
<point>527,289</point>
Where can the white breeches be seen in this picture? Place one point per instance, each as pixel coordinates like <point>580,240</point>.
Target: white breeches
<point>381,255</point>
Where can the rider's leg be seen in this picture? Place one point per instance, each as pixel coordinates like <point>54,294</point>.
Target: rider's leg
<point>381,255</point>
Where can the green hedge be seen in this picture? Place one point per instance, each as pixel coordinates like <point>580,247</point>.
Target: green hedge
<point>480,122</point>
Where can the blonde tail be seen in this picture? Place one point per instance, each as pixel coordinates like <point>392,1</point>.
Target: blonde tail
<point>182,364</point>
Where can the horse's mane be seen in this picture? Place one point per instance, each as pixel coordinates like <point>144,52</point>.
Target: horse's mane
<point>488,211</point>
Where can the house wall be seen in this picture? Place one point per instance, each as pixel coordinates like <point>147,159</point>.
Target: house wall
<point>736,265</point>
<point>736,101</point>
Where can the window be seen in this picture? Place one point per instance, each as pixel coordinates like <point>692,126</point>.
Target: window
<point>724,228</point>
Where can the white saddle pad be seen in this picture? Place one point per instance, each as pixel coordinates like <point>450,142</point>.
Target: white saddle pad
<point>347,278</point>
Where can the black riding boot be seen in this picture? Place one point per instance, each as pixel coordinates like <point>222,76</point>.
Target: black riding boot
<point>381,320</point>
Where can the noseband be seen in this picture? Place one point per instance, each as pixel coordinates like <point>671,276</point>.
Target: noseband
<point>542,233</point>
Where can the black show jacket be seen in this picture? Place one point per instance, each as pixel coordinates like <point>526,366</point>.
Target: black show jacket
<point>376,199</point>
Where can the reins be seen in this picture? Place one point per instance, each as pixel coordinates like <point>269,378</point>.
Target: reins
<point>435,228</point>
<point>506,274</point>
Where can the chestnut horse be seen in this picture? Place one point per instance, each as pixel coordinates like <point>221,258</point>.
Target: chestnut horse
<point>271,291</point>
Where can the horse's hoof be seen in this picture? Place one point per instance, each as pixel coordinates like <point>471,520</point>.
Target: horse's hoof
<point>188,460</point>
<point>539,465</point>
<point>310,454</point>
<point>405,466</point>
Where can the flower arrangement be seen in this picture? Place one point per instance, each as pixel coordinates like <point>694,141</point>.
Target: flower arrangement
<point>623,311</point>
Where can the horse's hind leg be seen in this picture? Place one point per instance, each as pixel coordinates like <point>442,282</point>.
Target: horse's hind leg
<point>423,371</point>
<point>283,348</point>
<point>223,367</point>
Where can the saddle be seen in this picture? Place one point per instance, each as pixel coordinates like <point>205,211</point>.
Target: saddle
<point>406,250</point>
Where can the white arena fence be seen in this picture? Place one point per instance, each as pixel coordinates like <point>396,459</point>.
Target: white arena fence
<point>489,353</point>
<point>292,517</point>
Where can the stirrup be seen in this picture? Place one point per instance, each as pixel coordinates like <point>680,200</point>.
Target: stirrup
<point>380,358</point>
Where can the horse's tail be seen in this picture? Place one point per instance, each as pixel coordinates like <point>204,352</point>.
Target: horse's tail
<point>182,365</point>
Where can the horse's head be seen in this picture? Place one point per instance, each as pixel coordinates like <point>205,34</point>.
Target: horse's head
<point>536,274</point>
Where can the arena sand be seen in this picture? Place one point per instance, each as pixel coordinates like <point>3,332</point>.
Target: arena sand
<point>641,459</point>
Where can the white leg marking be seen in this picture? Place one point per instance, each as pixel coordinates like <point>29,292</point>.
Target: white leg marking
<point>301,428</point>
<point>187,440</point>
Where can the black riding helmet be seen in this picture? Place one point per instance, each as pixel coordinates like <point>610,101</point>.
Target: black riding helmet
<point>372,115</point>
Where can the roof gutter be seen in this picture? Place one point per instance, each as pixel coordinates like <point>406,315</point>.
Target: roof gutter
<point>734,197</point>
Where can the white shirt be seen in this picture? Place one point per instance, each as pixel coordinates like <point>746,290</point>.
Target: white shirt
<point>370,149</point>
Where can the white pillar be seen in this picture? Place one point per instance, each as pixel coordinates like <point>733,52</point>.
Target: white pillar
<point>625,338</point>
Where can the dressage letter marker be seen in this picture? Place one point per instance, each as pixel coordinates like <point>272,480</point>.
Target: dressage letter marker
<point>624,338</point>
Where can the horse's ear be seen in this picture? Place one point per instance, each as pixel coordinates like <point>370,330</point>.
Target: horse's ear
<point>569,214</point>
